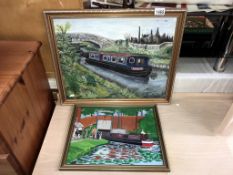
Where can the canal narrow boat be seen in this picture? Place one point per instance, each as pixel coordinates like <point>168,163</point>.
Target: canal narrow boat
<point>130,64</point>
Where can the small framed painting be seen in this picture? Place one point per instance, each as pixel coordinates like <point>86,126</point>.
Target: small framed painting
<point>115,56</point>
<point>115,139</point>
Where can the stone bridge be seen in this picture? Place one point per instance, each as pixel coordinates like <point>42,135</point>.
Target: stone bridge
<point>97,40</point>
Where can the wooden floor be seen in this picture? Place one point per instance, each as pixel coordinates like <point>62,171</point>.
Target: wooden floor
<point>189,126</point>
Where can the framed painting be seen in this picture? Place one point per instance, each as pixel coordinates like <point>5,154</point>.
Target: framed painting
<point>115,139</point>
<point>115,56</point>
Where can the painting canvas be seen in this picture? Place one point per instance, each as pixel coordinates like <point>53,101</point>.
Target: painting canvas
<point>115,138</point>
<point>125,55</point>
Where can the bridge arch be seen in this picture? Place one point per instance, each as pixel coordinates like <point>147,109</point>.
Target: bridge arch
<point>94,42</point>
<point>75,41</point>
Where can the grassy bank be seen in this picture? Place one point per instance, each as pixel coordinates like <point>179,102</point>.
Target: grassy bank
<point>82,147</point>
<point>83,83</point>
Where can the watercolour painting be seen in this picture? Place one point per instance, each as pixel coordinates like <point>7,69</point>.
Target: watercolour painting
<point>115,138</point>
<point>108,55</point>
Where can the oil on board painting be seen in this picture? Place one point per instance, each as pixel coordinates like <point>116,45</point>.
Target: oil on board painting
<point>115,57</point>
<point>117,138</point>
<point>125,57</point>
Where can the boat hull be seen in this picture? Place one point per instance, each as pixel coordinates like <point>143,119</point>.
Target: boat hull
<point>124,138</point>
<point>147,144</point>
<point>133,71</point>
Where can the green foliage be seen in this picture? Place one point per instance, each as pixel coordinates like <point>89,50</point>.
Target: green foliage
<point>82,147</point>
<point>62,28</point>
<point>148,125</point>
<point>168,50</point>
<point>88,131</point>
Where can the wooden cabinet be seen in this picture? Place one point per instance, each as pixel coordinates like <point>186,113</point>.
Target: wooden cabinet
<point>25,106</point>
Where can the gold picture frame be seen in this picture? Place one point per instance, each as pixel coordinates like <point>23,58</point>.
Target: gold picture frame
<point>109,138</point>
<point>115,56</point>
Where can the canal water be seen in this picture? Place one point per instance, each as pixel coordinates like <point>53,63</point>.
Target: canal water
<point>116,153</point>
<point>150,87</point>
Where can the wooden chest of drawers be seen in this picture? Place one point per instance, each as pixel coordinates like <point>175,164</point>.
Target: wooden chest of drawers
<point>25,106</point>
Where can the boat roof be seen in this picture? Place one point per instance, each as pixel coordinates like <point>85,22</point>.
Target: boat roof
<point>121,54</point>
<point>116,54</point>
<point>119,131</point>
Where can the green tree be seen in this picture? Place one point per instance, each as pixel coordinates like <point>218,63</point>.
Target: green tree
<point>63,29</point>
<point>148,124</point>
<point>67,54</point>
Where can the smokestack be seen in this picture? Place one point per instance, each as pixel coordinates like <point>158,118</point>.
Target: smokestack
<point>139,34</point>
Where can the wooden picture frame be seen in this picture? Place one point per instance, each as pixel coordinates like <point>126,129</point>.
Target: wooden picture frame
<point>108,138</point>
<point>132,60</point>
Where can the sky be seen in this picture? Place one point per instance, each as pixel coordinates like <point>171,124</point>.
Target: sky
<point>117,28</point>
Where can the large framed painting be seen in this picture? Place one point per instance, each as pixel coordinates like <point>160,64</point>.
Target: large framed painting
<point>115,139</point>
<point>115,56</point>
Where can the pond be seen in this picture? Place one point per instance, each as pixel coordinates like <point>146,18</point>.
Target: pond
<point>117,153</point>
